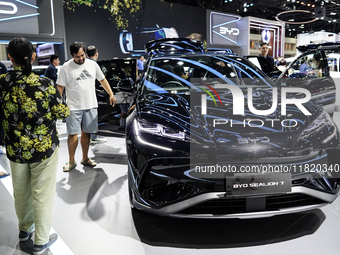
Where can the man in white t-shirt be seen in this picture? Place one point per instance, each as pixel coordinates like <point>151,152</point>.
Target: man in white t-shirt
<point>78,77</point>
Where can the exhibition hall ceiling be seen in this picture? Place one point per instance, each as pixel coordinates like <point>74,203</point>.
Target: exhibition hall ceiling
<point>301,16</point>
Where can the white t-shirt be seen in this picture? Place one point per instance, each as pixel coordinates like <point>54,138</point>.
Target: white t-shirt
<point>79,82</point>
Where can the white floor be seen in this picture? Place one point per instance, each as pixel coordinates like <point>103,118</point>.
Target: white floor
<point>92,216</point>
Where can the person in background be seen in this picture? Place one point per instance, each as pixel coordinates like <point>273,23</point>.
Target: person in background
<point>282,64</point>
<point>316,61</point>
<point>140,66</point>
<point>304,67</point>
<point>3,70</point>
<point>78,77</point>
<point>268,62</point>
<point>51,71</point>
<point>179,70</point>
<point>92,54</point>
<point>31,105</point>
<point>316,65</point>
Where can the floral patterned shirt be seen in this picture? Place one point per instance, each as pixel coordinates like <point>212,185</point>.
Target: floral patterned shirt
<point>31,105</point>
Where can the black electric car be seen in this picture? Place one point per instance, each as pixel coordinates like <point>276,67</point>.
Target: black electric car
<point>197,147</point>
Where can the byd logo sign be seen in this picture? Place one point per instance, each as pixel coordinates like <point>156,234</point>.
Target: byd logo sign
<point>238,101</point>
<point>229,31</point>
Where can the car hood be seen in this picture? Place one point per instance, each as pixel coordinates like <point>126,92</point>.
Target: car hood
<point>221,128</point>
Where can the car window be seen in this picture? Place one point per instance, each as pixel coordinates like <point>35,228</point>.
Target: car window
<point>39,71</point>
<point>333,64</point>
<point>179,74</point>
<point>309,65</point>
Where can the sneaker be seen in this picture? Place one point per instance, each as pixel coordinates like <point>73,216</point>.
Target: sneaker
<point>2,149</point>
<point>40,249</point>
<point>23,236</point>
<point>3,174</point>
<point>97,139</point>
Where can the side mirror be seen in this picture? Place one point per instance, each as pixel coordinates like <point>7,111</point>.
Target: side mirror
<point>126,85</point>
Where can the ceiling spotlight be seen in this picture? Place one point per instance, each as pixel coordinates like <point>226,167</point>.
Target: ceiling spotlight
<point>251,4</point>
<point>308,4</point>
<point>302,3</point>
<point>245,9</point>
<point>313,5</point>
<point>245,5</point>
<point>334,20</point>
<point>332,13</point>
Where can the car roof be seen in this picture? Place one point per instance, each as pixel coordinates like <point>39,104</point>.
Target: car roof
<point>174,46</point>
<point>327,46</point>
<point>191,54</point>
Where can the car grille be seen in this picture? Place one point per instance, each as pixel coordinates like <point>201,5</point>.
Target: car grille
<point>240,205</point>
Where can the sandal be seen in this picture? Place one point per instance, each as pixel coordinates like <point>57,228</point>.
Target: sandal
<point>3,174</point>
<point>88,162</point>
<point>69,166</point>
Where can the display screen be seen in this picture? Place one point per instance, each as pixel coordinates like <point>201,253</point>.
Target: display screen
<point>27,17</point>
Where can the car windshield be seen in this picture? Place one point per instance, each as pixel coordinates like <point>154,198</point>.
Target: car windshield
<point>179,74</point>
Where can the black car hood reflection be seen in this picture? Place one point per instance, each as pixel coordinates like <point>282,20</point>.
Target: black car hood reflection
<point>234,132</point>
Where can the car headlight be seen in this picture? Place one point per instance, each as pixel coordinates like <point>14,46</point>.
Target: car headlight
<point>324,121</point>
<point>160,130</point>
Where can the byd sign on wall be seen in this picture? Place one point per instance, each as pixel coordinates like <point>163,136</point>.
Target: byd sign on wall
<point>223,28</point>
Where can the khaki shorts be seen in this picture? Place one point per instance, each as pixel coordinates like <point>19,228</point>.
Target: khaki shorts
<point>82,120</point>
